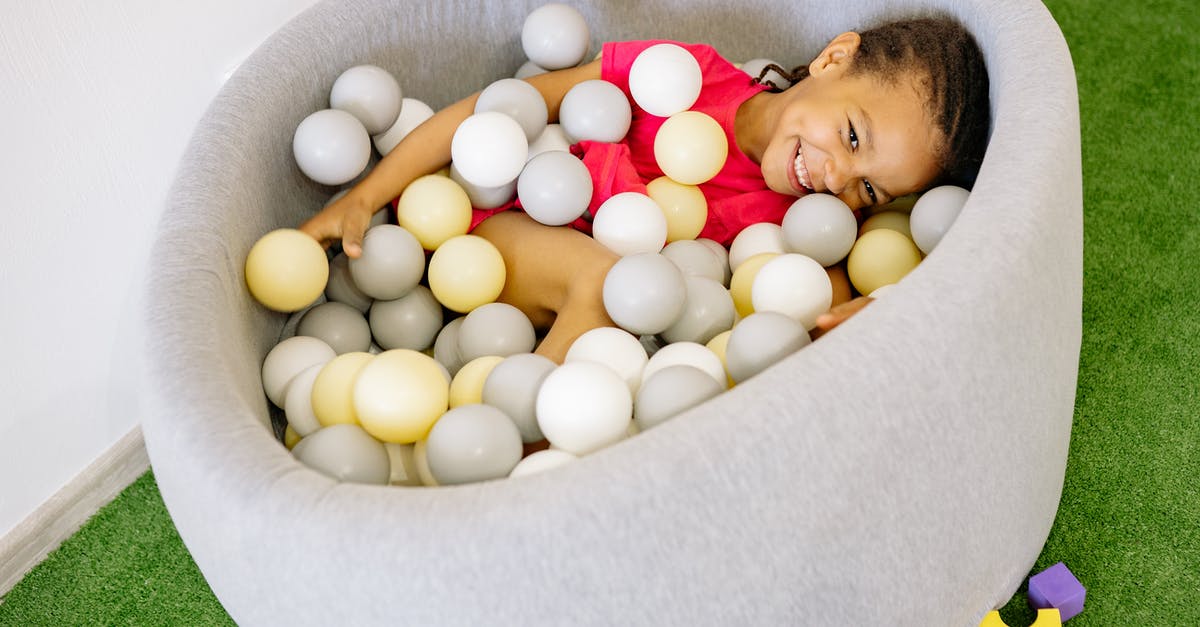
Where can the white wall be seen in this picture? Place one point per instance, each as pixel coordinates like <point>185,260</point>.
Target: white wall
<point>97,100</point>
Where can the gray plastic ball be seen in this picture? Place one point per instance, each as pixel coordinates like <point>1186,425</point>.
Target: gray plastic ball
<point>391,264</point>
<point>820,226</point>
<point>934,213</point>
<point>518,100</point>
<point>672,391</point>
<point>484,197</point>
<point>512,387</point>
<point>345,452</point>
<point>495,329</point>
<point>760,340</point>
<point>555,188</point>
<point>411,321</point>
<point>597,110</point>
<point>339,325</point>
<point>445,347</point>
<point>341,288</point>
<point>644,293</point>
<point>708,311</point>
<point>472,443</point>
<point>695,259</point>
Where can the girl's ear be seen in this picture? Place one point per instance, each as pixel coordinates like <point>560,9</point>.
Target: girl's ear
<point>837,55</point>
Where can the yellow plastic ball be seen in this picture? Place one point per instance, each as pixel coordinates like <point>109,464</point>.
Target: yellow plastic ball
<point>421,461</point>
<point>434,208</point>
<point>685,207</point>
<point>742,281</point>
<point>717,345</point>
<point>465,272</point>
<point>881,257</point>
<point>894,220</point>
<point>333,389</point>
<point>399,395</point>
<point>286,270</point>
<point>690,147</point>
<point>290,438</point>
<point>467,386</point>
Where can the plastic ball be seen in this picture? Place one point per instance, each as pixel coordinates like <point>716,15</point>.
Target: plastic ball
<point>794,285</point>
<point>345,452</point>
<point>722,255</point>
<point>287,359</point>
<point>391,263</point>
<point>465,272</point>
<point>820,226</point>
<point>754,67</point>
<point>933,214</point>
<point>629,223</point>
<point>339,325</point>
<point>445,347</point>
<point>399,395</point>
<point>552,138</point>
<point>527,69</point>
<point>718,344</point>
<point>331,147</point>
<point>369,93</point>
<point>495,329</point>
<point>690,147</point>
<point>467,386</point>
<point>472,443</point>
<point>741,285</point>
<point>759,341</point>
<point>616,348</point>
<point>881,257</point>
<point>541,461</point>
<point>665,79</point>
<point>403,464</point>
<point>758,238</point>
<point>695,259</point>
<point>596,110</point>
<point>686,354</point>
<point>297,401</point>
<point>684,206</point>
<point>421,461</point>
<point>484,197</point>
<point>340,287</point>
<point>512,386</point>
<point>434,209</point>
<point>290,437</point>
<point>333,389</point>
<point>895,220</point>
<point>555,36</point>
<point>644,293</point>
<point>555,188</point>
<point>412,321</point>
<point>707,311</point>
<point>413,113</point>
<point>489,149</point>
<point>672,391</point>
<point>518,100</point>
<point>584,406</point>
<point>286,270</point>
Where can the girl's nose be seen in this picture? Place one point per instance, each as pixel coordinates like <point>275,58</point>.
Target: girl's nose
<point>835,177</point>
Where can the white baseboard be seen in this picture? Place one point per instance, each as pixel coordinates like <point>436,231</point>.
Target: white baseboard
<point>27,544</point>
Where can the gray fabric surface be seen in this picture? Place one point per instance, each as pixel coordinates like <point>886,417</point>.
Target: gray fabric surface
<point>904,470</point>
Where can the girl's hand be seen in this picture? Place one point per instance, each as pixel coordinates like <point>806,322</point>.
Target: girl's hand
<point>839,314</point>
<point>346,218</point>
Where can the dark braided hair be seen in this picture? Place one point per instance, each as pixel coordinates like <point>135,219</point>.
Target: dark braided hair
<point>948,61</point>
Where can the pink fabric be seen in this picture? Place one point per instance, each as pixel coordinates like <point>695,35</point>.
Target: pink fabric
<point>737,196</point>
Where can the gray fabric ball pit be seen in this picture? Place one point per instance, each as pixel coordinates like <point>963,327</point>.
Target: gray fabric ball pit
<point>903,470</point>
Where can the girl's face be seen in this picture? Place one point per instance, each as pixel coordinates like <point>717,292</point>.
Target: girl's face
<point>864,140</point>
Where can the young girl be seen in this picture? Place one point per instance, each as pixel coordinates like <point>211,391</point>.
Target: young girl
<point>892,111</point>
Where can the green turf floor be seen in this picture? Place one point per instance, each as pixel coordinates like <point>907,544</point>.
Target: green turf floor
<point>1129,523</point>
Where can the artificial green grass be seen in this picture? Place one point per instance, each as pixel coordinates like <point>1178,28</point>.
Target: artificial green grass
<point>1129,522</point>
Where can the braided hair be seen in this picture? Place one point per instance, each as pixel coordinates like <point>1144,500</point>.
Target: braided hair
<point>946,58</point>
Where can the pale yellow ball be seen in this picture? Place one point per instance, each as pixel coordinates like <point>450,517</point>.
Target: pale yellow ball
<point>465,272</point>
<point>894,220</point>
<point>881,257</point>
<point>403,464</point>
<point>399,395</point>
<point>286,270</point>
<point>685,207</point>
<point>421,461</point>
<point>718,344</point>
<point>690,147</point>
<point>333,389</point>
<point>467,386</point>
<point>290,438</point>
<point>742,282</point>
<point>434,208</point>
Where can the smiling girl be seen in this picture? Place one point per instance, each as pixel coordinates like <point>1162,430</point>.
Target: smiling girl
<point>877,115</point>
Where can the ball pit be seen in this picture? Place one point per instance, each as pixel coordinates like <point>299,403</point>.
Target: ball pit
<point>910,455</point>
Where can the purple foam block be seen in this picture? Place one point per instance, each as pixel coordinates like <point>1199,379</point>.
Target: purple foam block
<point>1057,587</point>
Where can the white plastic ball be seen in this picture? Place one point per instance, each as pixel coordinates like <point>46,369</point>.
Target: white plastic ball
<point>297,403</point>
<point>542,461</point>
<point>596,110</point>
<point>933,214</point>
<point>287,359</point>
<point>686,354</point>
<point>553,137</point>
<point>518,100</point>
<point>555,188</point>
<point>665,79</point>
<point>555,36</point>
<point>527,69</point>
<point>584,406</point>
<point>484,197</point>
<point>369,93</point>
<point>331,147</point>
<point>794,285</point>
<point>629,223</point>
<point>758,238</point>
<point>722,255</point>
<point>412,114</point>
<point>693,258</point>
<point>644,293</point>
<point>489,149</point>
<point>820,226</point>
<point>616,348</point>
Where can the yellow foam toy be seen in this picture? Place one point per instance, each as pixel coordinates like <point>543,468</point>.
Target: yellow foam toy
<point>1045,618</point>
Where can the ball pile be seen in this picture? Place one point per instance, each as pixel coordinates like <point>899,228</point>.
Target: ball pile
<point>405,370</point>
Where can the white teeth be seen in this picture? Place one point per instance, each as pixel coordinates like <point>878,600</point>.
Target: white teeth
<point>802,171</point>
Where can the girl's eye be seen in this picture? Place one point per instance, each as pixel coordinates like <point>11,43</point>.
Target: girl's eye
<point>853,138</point>
<point>870,191</point>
